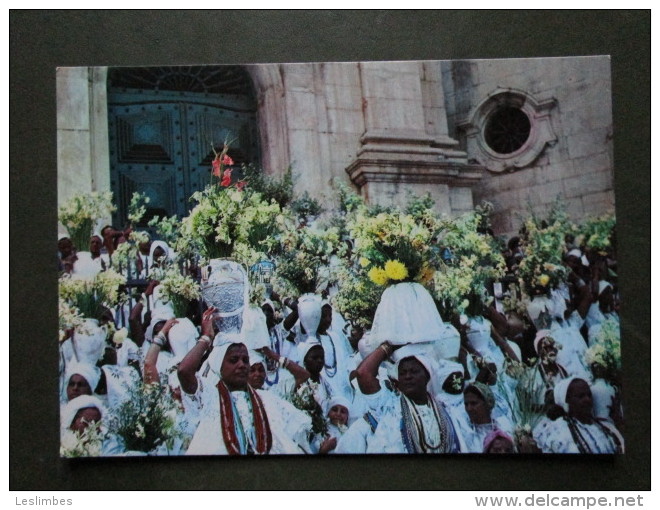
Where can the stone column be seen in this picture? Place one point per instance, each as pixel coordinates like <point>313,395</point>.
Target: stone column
<point>82,131</point>
<point>83,163</point>
<point>405,147</point>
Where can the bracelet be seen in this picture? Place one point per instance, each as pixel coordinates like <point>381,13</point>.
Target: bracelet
<point>206,339</point>
<point>283,361</point>
<point>159,340</point>
<point>386,349</point>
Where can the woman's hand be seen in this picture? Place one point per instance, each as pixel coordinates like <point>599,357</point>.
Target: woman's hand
<point>268,353</point>
<point>328,444</point>
<point>168,325</point>
<point>527,444</point>
<point>207,322</point>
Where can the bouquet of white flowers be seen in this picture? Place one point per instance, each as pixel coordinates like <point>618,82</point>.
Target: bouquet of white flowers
<point>92,296</point>
<point>80,214</point>
<point>147,419</point>
<point>178,290</point>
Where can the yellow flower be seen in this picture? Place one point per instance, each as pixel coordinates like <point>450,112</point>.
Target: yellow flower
<point>378,275</point>
<point>364,262</point>
<point>543,280</point>
<point>395,270</point>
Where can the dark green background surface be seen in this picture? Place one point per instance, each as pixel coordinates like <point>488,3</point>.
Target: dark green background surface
<point>42,40</point>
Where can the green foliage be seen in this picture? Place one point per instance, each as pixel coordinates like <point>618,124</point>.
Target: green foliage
<point>418,206</point>
<point>306,206</point>
<point>271,188</point>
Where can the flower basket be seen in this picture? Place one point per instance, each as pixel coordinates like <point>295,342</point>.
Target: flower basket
<point>309,312</point>
<point>225,286</point>
<point>406,314</point>
<point>89,341</point>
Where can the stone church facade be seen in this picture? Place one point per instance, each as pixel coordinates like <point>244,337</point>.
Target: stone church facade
<point>518,133</point>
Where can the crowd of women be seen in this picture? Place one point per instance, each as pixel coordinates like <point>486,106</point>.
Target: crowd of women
<point>319,384</point>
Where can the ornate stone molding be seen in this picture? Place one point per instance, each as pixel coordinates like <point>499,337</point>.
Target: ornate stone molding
<point>541,133</point>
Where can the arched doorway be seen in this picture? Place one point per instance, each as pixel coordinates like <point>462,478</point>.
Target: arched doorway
<point>163,123</point>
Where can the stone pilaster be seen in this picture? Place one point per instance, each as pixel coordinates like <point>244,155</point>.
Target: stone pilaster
<point>399,155</point>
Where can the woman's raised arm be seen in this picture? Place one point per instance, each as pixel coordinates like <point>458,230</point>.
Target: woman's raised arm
<point>192,361</point>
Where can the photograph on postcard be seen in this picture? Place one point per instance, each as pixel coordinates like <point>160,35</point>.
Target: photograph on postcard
<point>407,257</point>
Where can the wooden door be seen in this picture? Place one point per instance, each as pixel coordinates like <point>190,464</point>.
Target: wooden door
<point>161,144</point>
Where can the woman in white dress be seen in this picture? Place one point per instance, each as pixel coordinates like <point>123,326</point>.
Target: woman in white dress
<point>338,416</point>
<point>578,430</point>
<point>478,421</point>
<point>236,419</point>
<point>412,420</point>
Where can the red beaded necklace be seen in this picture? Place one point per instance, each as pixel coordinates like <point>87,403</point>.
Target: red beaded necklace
<point>228,420</point>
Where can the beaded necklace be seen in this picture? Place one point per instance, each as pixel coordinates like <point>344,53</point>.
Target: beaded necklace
<point>331,370</point>
<point>412,428</point>
<point>233,434</point>
<point>584,446</point>
<point>548,377</point>
<point>276,347</point>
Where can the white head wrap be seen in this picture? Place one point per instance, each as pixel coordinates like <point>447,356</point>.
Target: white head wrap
<point>162,313</point>
<point>445,368</point>
<point>540,335</point>
<point>602,285</point>
<point>561,389</point>
<point>62,236</point>
<point>365,346</point>
<point>73,406</point>
<point>304,347</point>
<point>256,357</point>
<point>159,244</point>
<point>220,351</point>
<point>338,400</point>
<point>91,373</point>
<point>574,253</point>
<point>428,363</point>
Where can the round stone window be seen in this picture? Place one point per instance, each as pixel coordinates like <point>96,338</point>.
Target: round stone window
<point>507,129</point>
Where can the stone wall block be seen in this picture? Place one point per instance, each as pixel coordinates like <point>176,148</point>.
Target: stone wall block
<point>396,114</point>
<point>298,77</point>
<point>72,98</point>
<point>587,144</point>
<point>301,110</point>
<point>342,97</point>
<point>460,200</point>
<point>344,147</point>
<point>574,208</point>
<point>73,164</point>
<point>600,162</point>
<point>304,148</point>
<point>341,74</point>
<point>586,184</point>
<point>598,203</point>
<point>345,121</point>
<point>543,194</point>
